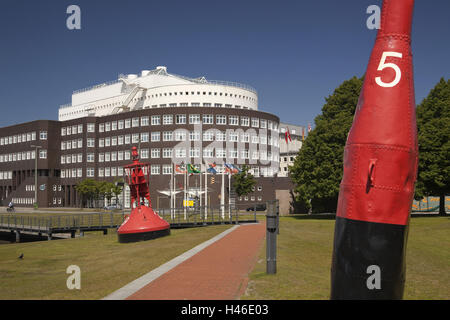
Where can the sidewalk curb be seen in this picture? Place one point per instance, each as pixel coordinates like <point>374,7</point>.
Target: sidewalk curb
<point>141,282</point>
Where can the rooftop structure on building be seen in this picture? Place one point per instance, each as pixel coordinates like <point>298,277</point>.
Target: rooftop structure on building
<point>156,89</point>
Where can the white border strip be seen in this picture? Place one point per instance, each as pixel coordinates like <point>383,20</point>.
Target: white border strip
<point>141,282</point>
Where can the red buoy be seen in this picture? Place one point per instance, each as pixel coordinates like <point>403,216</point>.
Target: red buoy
<point>380,169</point>
<point>143,223</point>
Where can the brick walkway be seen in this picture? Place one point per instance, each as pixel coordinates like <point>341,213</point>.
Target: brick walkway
<point>218,272</point>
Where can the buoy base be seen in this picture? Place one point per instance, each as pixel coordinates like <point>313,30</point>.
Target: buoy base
<point>368,260</point>
<point>142,236</point>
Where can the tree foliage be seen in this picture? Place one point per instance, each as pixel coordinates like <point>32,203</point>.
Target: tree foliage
<point>318,168</point>
<point>243,182</point>
<point>433,123</point>
<point>92,190</point>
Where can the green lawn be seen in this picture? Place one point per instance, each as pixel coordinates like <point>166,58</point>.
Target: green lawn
<point>304,260</point>
<point>105,264</point>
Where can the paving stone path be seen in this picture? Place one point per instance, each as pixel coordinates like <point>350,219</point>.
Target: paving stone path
<point>218,272</point>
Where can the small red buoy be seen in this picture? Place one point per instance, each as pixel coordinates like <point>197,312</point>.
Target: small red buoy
<point>143,223</point>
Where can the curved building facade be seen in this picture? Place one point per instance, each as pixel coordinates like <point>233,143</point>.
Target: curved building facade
<point>172,120</point>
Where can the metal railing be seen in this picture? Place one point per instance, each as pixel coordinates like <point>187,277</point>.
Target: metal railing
<point>177,217</point>
<point>61,222</point>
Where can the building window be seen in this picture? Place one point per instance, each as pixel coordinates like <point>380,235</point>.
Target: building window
<point>42,154</point>
<point>155,153</point>
<point>167,136</point>
<point>107,142</point>
<point>144,136</point>
<point>135,122</point>
<point>194,136</point>
<point>167,169</point>
<point>167,153</point>
<point>144,153</point>
<point>80,157</point>
<point>167,119</point>
<point>120,124</point>
<point>194,119</point>
<point>233,120</point>
<point>91,127</point>
<point>221,119</point>
<point>156,136</point>
<point>208,119</point>
<point>155,169</point>
<point>43,135</point>
<point>221,153</point>
<point>194,153</point>
<point>91,143</point>
<point>234,137</point>
<point>144,121</point>
<point>245,121</point>
<point>90,157</point>
<point>208,135</point>
<point>127,123</point>
<point>263,124</point>
<point>135,138</point>
<point>156,120</point>
<point>90,172</point>
<point>180,135</point>
<point>221,136</point>
<point>180,119</point>
<point>233,154</point>
<point>208,153</point>
<point>255,122</point>
<point>80,128</point>
<point>180,153</point>
<point>107,126</point>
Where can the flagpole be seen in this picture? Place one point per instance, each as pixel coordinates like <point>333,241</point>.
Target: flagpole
<point>229,195</point>
<point>185,192</point>
<point>171,192</point>
<point>222,193</point>
<point>201,202</point>
<point>206,194</point>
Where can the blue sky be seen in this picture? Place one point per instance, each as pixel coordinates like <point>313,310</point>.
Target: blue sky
<point>295,53</point>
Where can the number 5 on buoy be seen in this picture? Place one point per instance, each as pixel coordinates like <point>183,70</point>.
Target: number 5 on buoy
<point>383,65</point>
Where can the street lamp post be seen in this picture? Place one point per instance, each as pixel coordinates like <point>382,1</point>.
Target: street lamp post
<point>36,155</point>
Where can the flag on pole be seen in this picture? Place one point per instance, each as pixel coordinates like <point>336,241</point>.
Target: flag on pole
<point>191,169</point>
<point>309,127</point>
<point>287,135</point>
<point>303,133</point>
<point>212,169</point>
<point>178,169</point>
<point>231,168</point>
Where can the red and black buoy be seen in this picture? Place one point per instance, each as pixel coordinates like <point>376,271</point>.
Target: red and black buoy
<point>380,169</point>
<point>143,223</point>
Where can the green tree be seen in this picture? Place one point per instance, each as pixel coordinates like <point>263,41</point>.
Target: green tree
<point>433,124</point>
<point>318,168</point>
<point>106,189</point>
<point>243,181</point>
<point>117,188</point>
<point>87,189</point>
